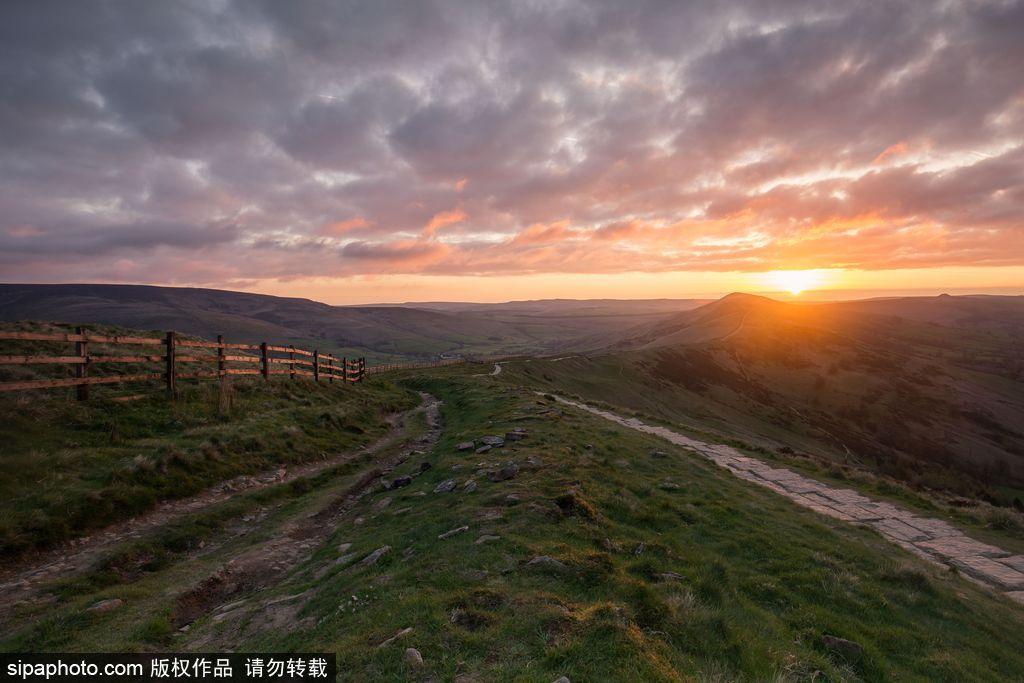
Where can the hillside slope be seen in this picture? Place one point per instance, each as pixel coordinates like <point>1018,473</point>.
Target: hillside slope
<point>379,332</point>
<point>922,401</point>
<point>590,559</point>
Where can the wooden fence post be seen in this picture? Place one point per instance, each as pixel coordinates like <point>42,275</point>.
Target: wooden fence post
<point>330,369</point>
<point>362,368</point>
<point>264,361</point>
<point>220,357</point>
<point>82,369</point>
<point>172,379</point>
<point>316,365</point>
<point>291,366</point>
<point>344,370</point>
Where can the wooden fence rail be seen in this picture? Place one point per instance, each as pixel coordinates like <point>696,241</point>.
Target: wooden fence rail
<point>177,355</point>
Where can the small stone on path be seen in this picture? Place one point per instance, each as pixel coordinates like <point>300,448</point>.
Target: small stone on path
<point>106,605</point>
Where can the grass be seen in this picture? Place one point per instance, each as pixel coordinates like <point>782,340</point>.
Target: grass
<point>67,468</point>
<point>759,581</point>
<point>609,382</point>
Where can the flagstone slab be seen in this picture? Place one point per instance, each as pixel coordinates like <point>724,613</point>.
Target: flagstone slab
<point>990,571</point>
<point>1015,561</point>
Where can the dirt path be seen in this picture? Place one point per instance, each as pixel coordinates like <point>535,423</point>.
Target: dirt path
<point>932,539</point>
<point>234,594</point>
<point>20,581</point>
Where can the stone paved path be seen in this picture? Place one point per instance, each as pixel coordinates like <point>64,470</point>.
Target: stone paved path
<point>931,539</point>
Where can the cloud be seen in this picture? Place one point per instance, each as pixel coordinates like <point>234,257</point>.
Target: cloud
<point>216,142</point>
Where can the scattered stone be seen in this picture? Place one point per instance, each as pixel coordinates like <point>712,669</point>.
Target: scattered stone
<point>465,446</point>
<point>507,471</point>
<point>610,545</point>
<point>659,454</point>
<point>545,562</point>
<point>515,436</point>
<point>562,679</point>
<point>669,576</point>
<point>511,499</point>
<point>847,648</point>
<point>669,486</point>
<point>372,558</point>
<point>424,466</point>
<point>589,446</point>
<point>785,450</point>
<point>401,481</point>
<point>382,503</point>
<point>495,441</point>
<point>483,449</point>
<point>106,605</point>
<point>485,539</point>
<point>344,547</point>
<point>448,534</point>
<point>639,549</point>
<point>445,486</point>
<point>401,634</point>
<point>469,486</point>
<point>413,657</point>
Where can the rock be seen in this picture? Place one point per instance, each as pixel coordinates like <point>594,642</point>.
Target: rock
<point>545,562</point>
<point>453,532</point>
<point>495,441</point>
<point>413,657</point>
<point>344,547</point>
<point>424,466</point>
<point>485,539</point>
<point>465,446</point>
<point>482,450</point>
<point>515,436</point>
<point>507,471</point>
<point>469,486</point>
<point>669,486</point>
<point>399,482</point>
<point>445,486</point>
<point>562,679</point>
<point>842,646</point>
<point>404,632</point>
<point>639,549</point>
<point>659,454</point>
<point>106,605</point>
<point>668,576</point>
<point>382,503</point>
<point>372,558</point>
<point>589,446</point>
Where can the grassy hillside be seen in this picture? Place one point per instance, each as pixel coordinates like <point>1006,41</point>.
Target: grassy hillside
<point>658,569</point>
<point>67,467</point>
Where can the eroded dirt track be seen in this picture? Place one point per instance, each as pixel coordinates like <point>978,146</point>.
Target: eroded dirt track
<point>22,581</point>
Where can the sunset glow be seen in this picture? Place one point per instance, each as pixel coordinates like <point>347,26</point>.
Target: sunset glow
<point>414,150</point>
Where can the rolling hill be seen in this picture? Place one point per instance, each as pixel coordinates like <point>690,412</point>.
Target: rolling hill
<point>378,332</point>
<point>928,390</point>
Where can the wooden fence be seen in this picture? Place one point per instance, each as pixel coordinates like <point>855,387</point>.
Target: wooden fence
<point>177,357</point>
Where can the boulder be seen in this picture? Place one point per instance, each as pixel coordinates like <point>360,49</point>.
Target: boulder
<point>842,646</point>
<point>507,471</point>
<point>465,446</point>
<point>454,532</point>
<point>445,486</point>
<point>372,558</point>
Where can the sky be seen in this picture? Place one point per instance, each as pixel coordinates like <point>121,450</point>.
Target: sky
<point>355,152</point>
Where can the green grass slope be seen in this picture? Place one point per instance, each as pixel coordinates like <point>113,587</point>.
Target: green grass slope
<point>663,569</point>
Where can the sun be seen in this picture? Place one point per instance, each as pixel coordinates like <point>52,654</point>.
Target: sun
<point>795,281</point>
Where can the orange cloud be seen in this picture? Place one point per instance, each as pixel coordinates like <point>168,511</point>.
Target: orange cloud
<point>442,219</point>
<point>899,149</point>
<point>344,227</point>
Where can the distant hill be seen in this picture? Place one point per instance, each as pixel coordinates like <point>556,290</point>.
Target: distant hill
<point>925,388</point>
<point>375,331</point>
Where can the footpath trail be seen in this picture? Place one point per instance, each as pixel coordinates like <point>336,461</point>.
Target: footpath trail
<point>21,581</point>
<point>932,539</point>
